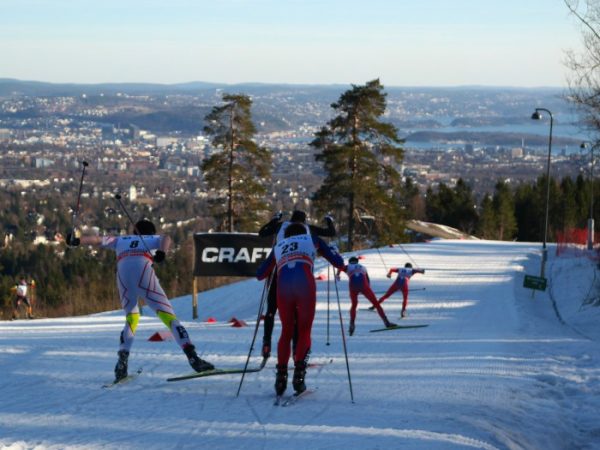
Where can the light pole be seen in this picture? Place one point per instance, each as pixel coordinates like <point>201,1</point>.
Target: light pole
<point>590,236</point>
<point>537,116</point>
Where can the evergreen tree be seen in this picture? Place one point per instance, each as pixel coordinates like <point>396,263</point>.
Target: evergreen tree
<point>486,227</point>
<point>452,207</point>
<point>504,210</point>
<point>360,154</point>
<point>239,168</point>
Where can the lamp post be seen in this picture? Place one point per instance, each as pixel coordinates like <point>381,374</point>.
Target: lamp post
<point>537,116</point>
<point>590,236</point>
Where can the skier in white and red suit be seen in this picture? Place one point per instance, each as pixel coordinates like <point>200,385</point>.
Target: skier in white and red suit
<point>136,279</point>
<point>401,283</point>
<point>359,283</point>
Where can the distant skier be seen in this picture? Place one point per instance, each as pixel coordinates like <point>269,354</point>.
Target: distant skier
<point>275,227</point>
<point>359,283</point>
<point>401,284</point>
<point>136,279</point>
<point>293,258</point>
<point>20,291</point>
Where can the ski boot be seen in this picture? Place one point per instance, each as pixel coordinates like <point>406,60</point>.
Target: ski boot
<point>403,313</point>
<point>389,324</point>
<point>351,329</point>
<point>281,379</point>
<point>299,374</point>
<point>121,367</point>
<point>199,365</point>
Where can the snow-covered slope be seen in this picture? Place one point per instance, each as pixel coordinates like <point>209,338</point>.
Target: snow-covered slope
<point>497,367</point>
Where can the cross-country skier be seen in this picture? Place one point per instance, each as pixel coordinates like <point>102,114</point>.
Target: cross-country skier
<point>401,283</point>
<point>136,279</point>
<point>293,257</point>
<point>359,283</point>
<point>21,297</point>
<point>275,227</point>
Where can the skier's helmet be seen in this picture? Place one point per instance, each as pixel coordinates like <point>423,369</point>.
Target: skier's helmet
<point>294,229</point>
<point>408,265</point>
<point>145,228</point>
<point>353,260</point>
<point>298,216</point>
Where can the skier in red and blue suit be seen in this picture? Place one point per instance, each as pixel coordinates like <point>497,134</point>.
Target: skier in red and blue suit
<point>359,283</point>
<point>401,283</point>
<point>293,258</point>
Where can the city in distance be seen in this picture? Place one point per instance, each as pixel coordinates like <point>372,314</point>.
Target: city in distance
<point>449,132</point>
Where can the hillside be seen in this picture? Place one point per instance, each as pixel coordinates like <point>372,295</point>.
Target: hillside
<point>496,368</point>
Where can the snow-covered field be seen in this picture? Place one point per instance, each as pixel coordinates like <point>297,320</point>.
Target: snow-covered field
<point>497,367</point>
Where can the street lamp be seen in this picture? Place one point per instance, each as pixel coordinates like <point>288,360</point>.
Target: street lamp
<point>590,236</point>
<point>537,116</point>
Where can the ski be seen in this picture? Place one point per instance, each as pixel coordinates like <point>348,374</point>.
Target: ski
<point>397,327</point>
<point>215,372</point>
<point>292,399</point>
<point>127,379</point>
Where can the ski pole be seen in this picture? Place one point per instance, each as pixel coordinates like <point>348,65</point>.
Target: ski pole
<point>76,210</point>
<point>344,340</point>
<point>328,267</point>
<point>263,297</point>
<point>382,261</point>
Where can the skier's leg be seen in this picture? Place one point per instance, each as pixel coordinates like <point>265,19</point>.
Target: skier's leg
<point>404,298</point>
<point>368,292</point>
<point>353,305</point>
<point>393,288</point>
<point>270,317</point>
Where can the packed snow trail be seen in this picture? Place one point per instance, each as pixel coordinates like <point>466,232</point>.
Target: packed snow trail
<point>495,368</point>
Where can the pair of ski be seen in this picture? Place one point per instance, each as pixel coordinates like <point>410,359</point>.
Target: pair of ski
<point>214,372</point>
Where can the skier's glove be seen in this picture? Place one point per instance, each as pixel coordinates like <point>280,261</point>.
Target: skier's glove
<point>389,275</point>
<point>328,219</point>
<point>277,216</point>
<point>72,240</point>
<point>159,256</point>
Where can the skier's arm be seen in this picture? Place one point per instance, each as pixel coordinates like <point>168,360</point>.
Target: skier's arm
<point>266,267</point>
<point>325,232</point>
<point>272,227</point>
<point>334,258</point>
<point>391,271</point>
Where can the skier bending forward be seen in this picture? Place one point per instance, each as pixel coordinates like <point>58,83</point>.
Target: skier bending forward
<point>296,297</point>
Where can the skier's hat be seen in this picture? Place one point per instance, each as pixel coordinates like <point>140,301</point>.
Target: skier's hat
<point>298,216</point>
<point>353,260</point>
<point>144,227</point>
<point>408,265</point>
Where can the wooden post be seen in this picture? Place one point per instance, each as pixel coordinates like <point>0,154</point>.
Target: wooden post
<point>195,298</point>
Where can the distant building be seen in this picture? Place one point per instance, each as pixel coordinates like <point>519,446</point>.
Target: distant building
<point>516,152</point>
<point>132,193</point>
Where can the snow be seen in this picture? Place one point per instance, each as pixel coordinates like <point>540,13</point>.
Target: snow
<point>498,367</point>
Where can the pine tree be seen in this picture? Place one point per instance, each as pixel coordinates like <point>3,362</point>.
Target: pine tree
<point>504,209</point>
<point>239,168</point>
<point>360,154</point>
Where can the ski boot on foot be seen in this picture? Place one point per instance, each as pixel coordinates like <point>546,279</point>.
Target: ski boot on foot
<point>351,329</point>
<point>121,367</point>
<point>199,365</point>
<point>389,324</point>
<point>281,379</point>
<point>403,314</point>
<point>299,374</point>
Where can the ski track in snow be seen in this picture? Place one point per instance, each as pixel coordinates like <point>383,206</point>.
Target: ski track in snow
<point>497,368</point>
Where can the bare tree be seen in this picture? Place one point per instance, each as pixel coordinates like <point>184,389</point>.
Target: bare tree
<point>584,81</point>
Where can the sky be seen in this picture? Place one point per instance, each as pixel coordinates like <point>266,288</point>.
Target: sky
<point>404,43</point>
<point>496,368</point>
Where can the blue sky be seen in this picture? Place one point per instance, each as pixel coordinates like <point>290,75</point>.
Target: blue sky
<point>402,42</point>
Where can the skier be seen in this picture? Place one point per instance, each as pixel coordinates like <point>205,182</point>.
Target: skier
<point>20,290</point>
<point>136,280</point>
<point>359,283</point>
<point>401,283</point>
<point>275,227</point>
<point>293,258</point>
